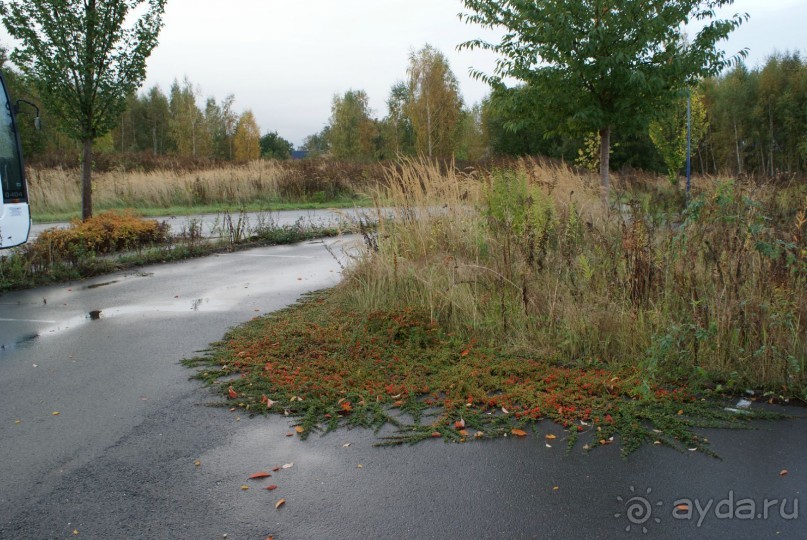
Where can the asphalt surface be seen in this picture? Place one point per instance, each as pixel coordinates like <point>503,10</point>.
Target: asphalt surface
<point>136,451</point>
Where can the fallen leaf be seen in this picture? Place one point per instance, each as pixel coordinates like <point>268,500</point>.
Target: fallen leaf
<point>682,507</point>
<point>299,429</point>
<point>397,403</point>
<point>270,487</point>
<point>548,445</point>
<point>657,443</point>
<point>681,412</point>
<point>346,406</point>
<point>55,413</point>
<point>459,424</point>
<point>288,465</point>
<point>346,445</point>
<point>518,432</point>
<point>280,503</point>
<point>197,463</point>
<point>479,434</point>
<point>555,488</point>
<point>289,434</point>
<point>75,532</point>
<point>232,393</point>
<point>783,472</point>
<point>465,353</point>
<point>244,487</point>
<point>436,434</point>
<point>261,474</point>
<point>359,466</point>
<point>505,411</point>
<point>550,436</point>
<point>463,432</point>
<point>18,421</point>
<point>275,469</point>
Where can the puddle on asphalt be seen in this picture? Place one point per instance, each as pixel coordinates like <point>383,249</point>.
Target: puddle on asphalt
<point>98,285</point>
<point>95,314</point>
<point>20,343</point>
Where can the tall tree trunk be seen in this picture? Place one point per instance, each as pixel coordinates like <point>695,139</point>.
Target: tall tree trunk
<point>605,163</point>
<point>737,150</point>
<point>86,180</point>
<point>429,123</point>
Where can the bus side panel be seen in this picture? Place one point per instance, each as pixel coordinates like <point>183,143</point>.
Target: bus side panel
<point>15,224</point>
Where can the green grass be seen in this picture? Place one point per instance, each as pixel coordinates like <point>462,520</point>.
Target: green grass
<point>330,367</point>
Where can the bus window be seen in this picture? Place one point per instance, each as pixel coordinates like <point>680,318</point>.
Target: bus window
<point>10,170</point>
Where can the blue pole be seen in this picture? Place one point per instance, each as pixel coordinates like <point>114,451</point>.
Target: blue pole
<point>689,140</point>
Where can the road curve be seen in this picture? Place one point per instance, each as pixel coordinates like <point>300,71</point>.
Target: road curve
<point>135,453</point>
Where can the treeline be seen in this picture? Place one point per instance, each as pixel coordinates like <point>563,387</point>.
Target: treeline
<point>425,116</point>
<point>747,122</point>
<point>754,122</point>
<point>155,124</point>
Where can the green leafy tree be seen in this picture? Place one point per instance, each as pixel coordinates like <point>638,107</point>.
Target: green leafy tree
<point>399,137</point>
<point>273,146</point>
<point>187,124</point>
<point>85,57</point>
<point>603,65</point>
<point>434,105</point>
<point>353,134</point>
<point>668,131</point>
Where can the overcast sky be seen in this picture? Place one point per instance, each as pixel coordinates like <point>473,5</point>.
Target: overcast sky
<point>285,59</point>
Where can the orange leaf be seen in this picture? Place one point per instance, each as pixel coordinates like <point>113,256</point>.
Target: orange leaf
<point>463,432</point>
<point>465,352</point>
<point>299,429</point>
<point>346,406</point>
<point>436,434</point>
<point>270,488</point>
<point>397,403</point>
<point>233,394</point>
<point>682,507</point>
<point>459,424</point>
<point>262,474</point>
<point>519,432</point>
<point>681,412</point>
<point>280,503</point>
<point>550,436</point>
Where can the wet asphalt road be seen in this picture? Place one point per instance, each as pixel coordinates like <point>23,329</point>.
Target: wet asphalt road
<point>118,461</point>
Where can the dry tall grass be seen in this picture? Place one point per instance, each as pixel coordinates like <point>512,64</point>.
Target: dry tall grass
<point>526,258</point>
<point>58,190</point>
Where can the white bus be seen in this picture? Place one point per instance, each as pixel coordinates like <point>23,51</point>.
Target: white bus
<point>15,218</point>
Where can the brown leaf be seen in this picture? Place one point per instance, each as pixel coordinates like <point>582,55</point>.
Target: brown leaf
<point>232,393</point>
<point>518,432</point>
<point>275,469</point>
<point>280,503</point>
<point>463,432</point>
<point>270,487</point>
<point>681,412</point>
<point>436,434</point>
<point>261,474</point>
